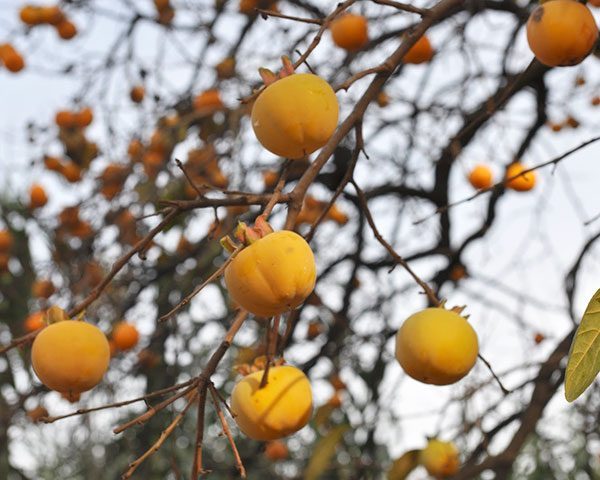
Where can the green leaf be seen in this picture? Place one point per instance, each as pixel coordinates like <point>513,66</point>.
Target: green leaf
<point>404,465</point>
<point>584,356</point>
<point>323,451</point>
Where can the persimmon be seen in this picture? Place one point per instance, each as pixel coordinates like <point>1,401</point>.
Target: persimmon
<point>436,346</point>
<point>65,119</point>
<point>539,338</point>
<point>208,100</point>
<point>561,33</point>
<point>276,450</point>
<point>36,413</point>
<point>135,150</point>
<point>70,356</point>
<point>440,459</point>
<point>420,52</point>
<point>52,15</point>
<point>350,31</point>
<point>66,29</point>
<point>282,407</point>
<point>457,273</point>
<point>13,61</point>
<point>248,7</point>
<point>152,162</point>
<point>595,3</point>
<point>270,178</point>
<point>296,115</point>
<point>34,322</point>
<point>481,177</point>
<point>37,196</point>
<point>6,240</point>
<point>71,172</point>
<point>52,163</point>
<point>274,274</point>
<point>137,94</point>
<point>162,4</point>
<point>522,183</point>
<point>31,15</point>
<point>125,335</point>
<point>42,288</point>
<point>84,117</point>
<point>166,16</point>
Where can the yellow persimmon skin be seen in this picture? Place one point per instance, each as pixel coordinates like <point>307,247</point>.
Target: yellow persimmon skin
<point>277,410</point>
<point>296,115</point>
<point>436,346</point>
<point>273,275</point>
<point>561,33</point>
<point>70,356</point>
<point>440,459</point>
<point>524,183</point>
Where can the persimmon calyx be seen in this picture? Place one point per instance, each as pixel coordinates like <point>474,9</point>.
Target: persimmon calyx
<point>269,77</point>
<point>55,314</point>
<point>259,363</point>
<point>246,235</point>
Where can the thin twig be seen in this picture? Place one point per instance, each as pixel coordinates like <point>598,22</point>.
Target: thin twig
<point>226,430</point>
<point>216,274</point>
<point>146,397</point>
<point>163,436</point>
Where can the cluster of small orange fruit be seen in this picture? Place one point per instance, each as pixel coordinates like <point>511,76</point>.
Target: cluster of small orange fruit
<point>10,58</point>
<point>351,32</point>
<point>79,150</point>
<point>33,15</point>
<point>481,177</point>
<point>71,224</point>
<point>111,180</point>
<point>203,168</point>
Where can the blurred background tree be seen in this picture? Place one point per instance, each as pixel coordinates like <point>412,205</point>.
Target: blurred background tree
<point>107,96</point>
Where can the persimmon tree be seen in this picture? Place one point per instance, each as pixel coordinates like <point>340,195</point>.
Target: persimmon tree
<point>245,220</point>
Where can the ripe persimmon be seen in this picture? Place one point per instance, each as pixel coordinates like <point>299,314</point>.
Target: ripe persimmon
<point>34,322</point>
<point>274,274</point>
<point>71,172</point>
<point>522,183</point>
<point>31,15</point>
<point>481,177</point>
<point>436,346</point>
<point>135,150</point>
<point>350,31</point>
<point>440,459</point>
<point>125,336</point>
<point>137,94</point>
<point>276,450</point>
<point>42,288</point>
<point>65,119</point>
<point>37,196</point>
<point>296,115</point>
<point>208,101</point>
<point>282,407</point>
<point>561,32</point>
<point>420,52</point>
<point>51,14</point>
<point>13,61</point>
<point>66,29</point>
<point>84,117</point>
<point>70,356</point>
